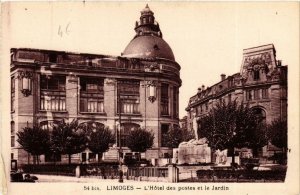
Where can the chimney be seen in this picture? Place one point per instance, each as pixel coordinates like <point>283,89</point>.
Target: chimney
<point>199,89</point>
<point>203,87</point>
<point>278,62</point>
<point>223,77</point>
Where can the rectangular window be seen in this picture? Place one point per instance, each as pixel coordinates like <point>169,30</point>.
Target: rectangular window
<point>12,141</point>
<point>164,102</point>
<point>164,131</point>
<point>129,87</point>
<point>256,75</point>
<point>129,106</point>
<point>265,93</point>
<point>220,100</point>
<point>53,82</point>
<point>12,133</point>
<point>248,95</point>
<point>12,100</point>
<point>91,95</point>
<point>129,96</point>
<point>198,110</point>
<point>83,157</point>
<point>53,93</point>
<point>52,58</point>
<point>230,82</point>
<point>175,102</point>
<point>256,94</point>
<point>54,102</point>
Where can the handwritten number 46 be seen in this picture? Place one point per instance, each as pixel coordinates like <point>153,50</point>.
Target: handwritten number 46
<point>62,31</point>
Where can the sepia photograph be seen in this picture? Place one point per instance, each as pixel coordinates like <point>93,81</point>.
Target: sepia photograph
<point>149,97</point>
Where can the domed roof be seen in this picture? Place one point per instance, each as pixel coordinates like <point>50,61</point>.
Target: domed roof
<point>148,42</point>
<point>148,46</point>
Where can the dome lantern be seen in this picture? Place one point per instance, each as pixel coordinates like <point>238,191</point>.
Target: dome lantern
<point>147,24</point>
<point>148,42</point>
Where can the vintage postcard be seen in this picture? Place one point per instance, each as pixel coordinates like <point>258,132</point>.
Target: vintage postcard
<point>149,98</point>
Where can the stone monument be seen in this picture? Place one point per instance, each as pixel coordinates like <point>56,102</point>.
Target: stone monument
<point>194,151</point>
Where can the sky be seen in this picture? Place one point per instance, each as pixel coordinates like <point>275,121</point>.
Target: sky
<point>207,38</point>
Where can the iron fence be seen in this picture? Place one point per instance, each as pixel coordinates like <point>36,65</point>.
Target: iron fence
<point>241,175</point>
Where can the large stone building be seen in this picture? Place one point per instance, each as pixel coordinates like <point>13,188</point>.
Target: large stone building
<point>48,86</point>
<point>261,83</point>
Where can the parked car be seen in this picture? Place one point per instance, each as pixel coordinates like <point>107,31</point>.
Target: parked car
<point>16,176</point>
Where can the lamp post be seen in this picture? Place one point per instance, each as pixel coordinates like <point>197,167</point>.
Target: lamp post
<point>119,132</point>
<point>152,91</point>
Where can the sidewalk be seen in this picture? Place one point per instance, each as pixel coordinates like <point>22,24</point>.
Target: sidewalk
<point>91,179</point>
<point>59,178</point>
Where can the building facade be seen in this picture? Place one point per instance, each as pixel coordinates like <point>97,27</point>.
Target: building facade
<point>261,83</point>
<point>138,89</point>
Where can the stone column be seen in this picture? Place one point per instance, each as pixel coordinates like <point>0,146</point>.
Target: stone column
<point>110,101</point>
<point>173,174</point>
<point>87,157</point>
<point>149,108</point>
<point>72,96</point>
<point>77,171</point>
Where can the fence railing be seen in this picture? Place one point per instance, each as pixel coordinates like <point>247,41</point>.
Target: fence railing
<point>68,170</point>
<point>241,175</point>
<point>112,172</point>
<point>100,171</point>
<point>147,172</point>
<point>105,172</point>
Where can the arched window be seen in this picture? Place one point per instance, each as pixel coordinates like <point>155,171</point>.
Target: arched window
<point>150,20</point>
<point>50,156</point>
<point>90,126</point>
<point>125,130</point>
<point>48,125</point>
<point>260,114</point>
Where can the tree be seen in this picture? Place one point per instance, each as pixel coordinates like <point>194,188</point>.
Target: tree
<point>34,140</point>
<point>277,134</point>
<point>139,140</point>
<point>99,139</point>
<point>68,139</point>
<point>231,125</point>
<point>176,135</point>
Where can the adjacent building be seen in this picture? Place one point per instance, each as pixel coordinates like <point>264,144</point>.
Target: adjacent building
<point>139,89</point>
<point>261,83</point>
<point>183,122</point>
